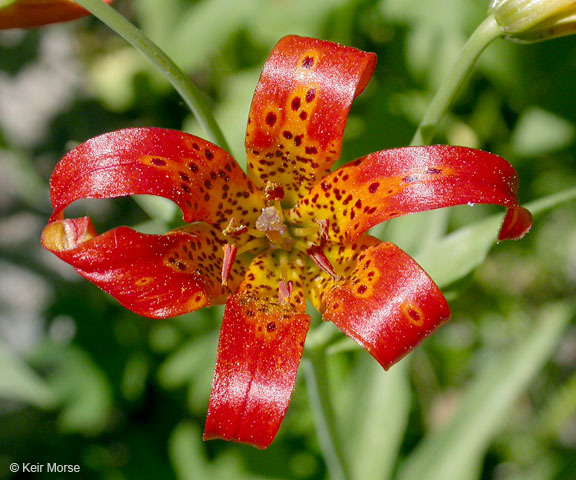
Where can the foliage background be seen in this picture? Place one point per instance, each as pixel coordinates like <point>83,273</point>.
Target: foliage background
<point>82,381</point>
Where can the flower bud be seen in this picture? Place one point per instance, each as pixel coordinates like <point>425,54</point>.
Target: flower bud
<point>35,13</point>
<point>535,20</point>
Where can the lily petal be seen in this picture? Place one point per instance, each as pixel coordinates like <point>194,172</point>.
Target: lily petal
<point>344,259</point>
<point>400,181</point>
<point>388,304</point>
<point>300,109</point>
<point>201,178</point>
<point>261,343</point>
<point>34,13</point>
<point>156,276</point>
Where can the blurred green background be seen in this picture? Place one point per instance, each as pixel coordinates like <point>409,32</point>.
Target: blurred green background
<point>490,395</point>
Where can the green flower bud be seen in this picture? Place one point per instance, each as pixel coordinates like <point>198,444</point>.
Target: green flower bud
<point>535,20</point>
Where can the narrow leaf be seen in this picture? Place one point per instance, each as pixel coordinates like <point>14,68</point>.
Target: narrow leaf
<point>380,417</point>
<point>462,251</point>
<point>454,453</point>
<point>19,382</point>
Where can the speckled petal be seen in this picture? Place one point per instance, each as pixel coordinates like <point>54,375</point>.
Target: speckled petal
<point>299,111</point>
<point>34,13</point>
<point>387,303</point>
<point>397,182</point>
<point>201,178</point>
<point>155,276</point>
<point>343,258</point>
<point>261,343</point>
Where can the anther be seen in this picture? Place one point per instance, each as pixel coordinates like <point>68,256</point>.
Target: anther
<point>234,229</point>
<point>284,291</point>
<point>319,258</point>
<point>229,257</point>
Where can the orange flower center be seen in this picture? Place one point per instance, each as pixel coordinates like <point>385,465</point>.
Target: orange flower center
<point>276,230</point>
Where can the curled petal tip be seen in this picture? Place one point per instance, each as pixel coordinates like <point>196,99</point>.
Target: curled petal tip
<point>36,13</point>
<point>516,224</point>
<point>64,235</point>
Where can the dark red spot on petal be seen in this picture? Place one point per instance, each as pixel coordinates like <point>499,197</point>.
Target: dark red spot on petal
<point>361,289</point>
<point>271,326</point>
<point>295,103</point>
<point>303,115</point>
<point>310,95</point>
<point>308,62</point>
<point>287,134</point>
<point>208,154</point>
<point>158,162</point>
<point>373,187</point>
<point>271,119</point>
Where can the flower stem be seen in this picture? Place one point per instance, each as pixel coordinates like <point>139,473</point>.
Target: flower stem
<point>316,375</point>
<point>484,34</point>
<point>179,80</point>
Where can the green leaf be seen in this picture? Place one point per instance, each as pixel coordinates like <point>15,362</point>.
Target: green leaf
<point>19,382</point>
<point>539,132</point>
<point>457,254</point>
<point>81,387</point>
<point>6,3</point>
<point>187,453</point>
<point>455,452</point>
<point>158,208</point>
<point>380,417</point>
<point>215,20</point>
<point>295,17</point>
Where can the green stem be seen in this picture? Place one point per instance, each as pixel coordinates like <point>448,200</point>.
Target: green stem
<point>486,32</point>
<point>316,375</point>
<point>179,80</point>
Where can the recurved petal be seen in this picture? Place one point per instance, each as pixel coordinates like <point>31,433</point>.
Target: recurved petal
<point>34,13</point>
<point>155,276</point>
<point>397,182</point>
<point>261,343</point>
<point>201,178</point>
<point>300,109</point>
<point>387,304</point>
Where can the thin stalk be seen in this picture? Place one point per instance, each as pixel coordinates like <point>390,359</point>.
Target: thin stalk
<point>316,375</point>
<point>484,34</point>
<point>179,80</point>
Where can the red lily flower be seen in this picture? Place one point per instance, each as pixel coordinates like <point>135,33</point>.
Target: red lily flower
<point>290,230</point>
<point>35,13</point>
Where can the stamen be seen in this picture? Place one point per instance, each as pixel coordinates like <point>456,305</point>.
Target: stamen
<point>319,258</point>
<point>284,291</point>
<point>252,245</point>
<point>255,233</point>
<point>233,229</point>
<point>283,257</point>
<point>323,226</point>
<point>230,252</point>
<point>304,231</point>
